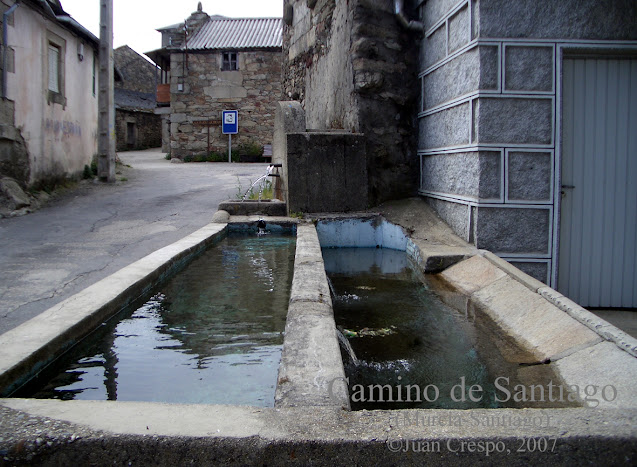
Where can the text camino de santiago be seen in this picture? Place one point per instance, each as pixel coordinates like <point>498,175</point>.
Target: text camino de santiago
<point>461,392</point>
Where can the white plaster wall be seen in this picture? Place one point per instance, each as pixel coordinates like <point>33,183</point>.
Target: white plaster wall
<point>60,140</point>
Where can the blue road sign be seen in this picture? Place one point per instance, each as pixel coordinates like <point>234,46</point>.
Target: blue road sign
<point>230,122</point>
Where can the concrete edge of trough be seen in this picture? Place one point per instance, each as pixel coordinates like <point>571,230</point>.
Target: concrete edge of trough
<point>103,432</point>
<point>550,328</point>
<point>577,312</point>
<point>311,371</point>
<point>28,348</point>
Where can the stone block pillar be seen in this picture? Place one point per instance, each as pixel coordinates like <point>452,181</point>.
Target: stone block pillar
<point>322,171</point>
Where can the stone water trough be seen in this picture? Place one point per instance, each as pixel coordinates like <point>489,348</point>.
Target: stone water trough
<point>311,423</point>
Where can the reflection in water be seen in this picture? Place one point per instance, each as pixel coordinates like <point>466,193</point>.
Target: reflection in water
<point>212,334</point>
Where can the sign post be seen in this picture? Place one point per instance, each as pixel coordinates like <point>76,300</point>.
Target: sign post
<point>230,126</point>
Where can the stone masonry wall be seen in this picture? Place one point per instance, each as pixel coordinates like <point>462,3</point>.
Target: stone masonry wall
<point>147,130</point>
<point>487,122</point>
<point>352,66</point>
<point>253,90</point>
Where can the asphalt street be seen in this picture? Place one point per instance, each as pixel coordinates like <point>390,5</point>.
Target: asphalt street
<point>95,229</point>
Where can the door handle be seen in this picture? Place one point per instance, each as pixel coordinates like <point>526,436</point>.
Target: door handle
<point>565,187</point>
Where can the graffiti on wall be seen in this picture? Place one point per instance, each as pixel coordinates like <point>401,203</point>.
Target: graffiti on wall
<point>63,128</point>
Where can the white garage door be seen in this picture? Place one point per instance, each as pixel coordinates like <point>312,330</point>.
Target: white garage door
<point>598,225</point>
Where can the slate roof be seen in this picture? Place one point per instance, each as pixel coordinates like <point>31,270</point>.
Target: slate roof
<point>238,33</point>
<point>126,99</point>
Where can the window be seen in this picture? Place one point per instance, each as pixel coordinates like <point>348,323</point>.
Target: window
<point>229,61</point>
<point>56,51</point>
<point>54,68</point>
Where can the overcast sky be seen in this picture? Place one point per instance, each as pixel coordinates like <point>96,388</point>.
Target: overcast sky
<point>135,21</point>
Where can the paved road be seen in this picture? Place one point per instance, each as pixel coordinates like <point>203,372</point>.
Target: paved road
<point>96,229</point>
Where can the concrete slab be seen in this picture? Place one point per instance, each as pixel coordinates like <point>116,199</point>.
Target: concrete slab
<point>308,248</point>
<point>149,418</point>
<point>604,374</point>
<point>311,370</point>
<point>472,274</point>
<point>79,432</point>
<point>310,284</point>
<point>540,330</point>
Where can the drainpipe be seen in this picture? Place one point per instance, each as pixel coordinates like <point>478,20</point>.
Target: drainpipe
<point>5,47</point>
<point>400,13</point>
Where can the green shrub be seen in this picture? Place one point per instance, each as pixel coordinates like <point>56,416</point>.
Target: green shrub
<point>250,149</point>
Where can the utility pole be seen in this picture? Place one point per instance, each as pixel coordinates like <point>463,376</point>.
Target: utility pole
<point>106,98</point>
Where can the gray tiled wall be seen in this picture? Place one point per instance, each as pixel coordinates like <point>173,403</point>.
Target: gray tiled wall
<point>487,126</point>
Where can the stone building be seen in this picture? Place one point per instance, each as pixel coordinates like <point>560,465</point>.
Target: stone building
<point>136,124</point>
<point>517,125</point>
<point>353,67</point>
<point>48,110</point>
<point>214,63</point>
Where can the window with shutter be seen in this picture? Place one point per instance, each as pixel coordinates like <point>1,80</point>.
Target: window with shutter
<point>54,74</point>
<point>54,68</point>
